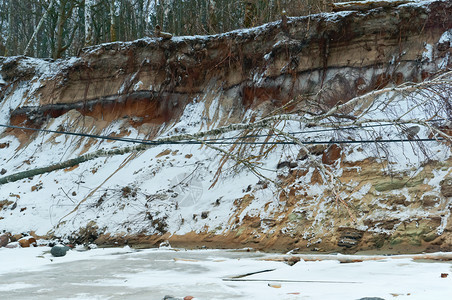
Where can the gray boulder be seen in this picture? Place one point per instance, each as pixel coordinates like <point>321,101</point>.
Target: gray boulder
<point>59,250</point>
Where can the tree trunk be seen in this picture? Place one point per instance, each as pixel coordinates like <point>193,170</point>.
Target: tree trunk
<point>88,22</point>
<point>41,22</point>
<point>60,27</point>
<point>112,21</point>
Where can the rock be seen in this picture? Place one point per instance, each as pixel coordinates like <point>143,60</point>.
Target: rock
<point>33,242</point>
<point>188,297</point>
<point>371,298</point>
<point>168,297</point>
<point>430,200</point>
<point>165,244</point>
<point>411,132</point>
<point>3,171</point>
<point>13,245</point>
<point>313,149</point>
<point>27,242</point>
<point>4,240</point>
<point>349,237</point>
<point>24,243</point>
<point>16,237</point>
<point>204,214</point>
<point>59,250</point>
<point>5,204</point>
<point>332,154</point>
<point>292,260</point>
<point>288,164</point>
<point>446,187</point>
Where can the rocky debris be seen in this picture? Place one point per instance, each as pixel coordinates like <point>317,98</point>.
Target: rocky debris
<point>291,260</point>
<point>13,245</point>
<point>5,203</point>
<point>251,221</point>
<point>287,164</point>
<point>169,297</point>
<point>16,237</point>
<point>28,241</point>
<point>411,132</point>
<point>165,244</point>
<point>430,200</point>
<point>446,187</point>
<point>349,237</point>
<point>313,149</point>
<point>4,240</point>
<point>59,250</point>
<point>332,154</point>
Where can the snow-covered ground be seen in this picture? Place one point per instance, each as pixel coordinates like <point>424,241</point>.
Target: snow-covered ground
<point>125,273</point>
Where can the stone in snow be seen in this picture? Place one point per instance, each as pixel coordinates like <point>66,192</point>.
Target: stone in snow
<point>59,250</point>
<point>4,240</point>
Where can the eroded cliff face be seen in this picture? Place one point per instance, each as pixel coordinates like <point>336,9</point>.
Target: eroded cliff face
<point>153,88</point>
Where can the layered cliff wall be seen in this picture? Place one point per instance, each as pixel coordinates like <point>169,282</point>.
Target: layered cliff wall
<point>154,88</point>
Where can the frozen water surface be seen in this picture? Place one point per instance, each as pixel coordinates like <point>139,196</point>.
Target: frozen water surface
<point>124,273</point>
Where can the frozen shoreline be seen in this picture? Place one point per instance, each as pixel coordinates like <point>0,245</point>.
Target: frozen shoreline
<point>125,273</point>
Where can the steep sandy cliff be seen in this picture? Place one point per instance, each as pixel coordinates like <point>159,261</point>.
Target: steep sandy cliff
<point>328,197</point>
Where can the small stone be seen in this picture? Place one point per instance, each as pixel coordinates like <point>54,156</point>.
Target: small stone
<point>188,297</point>
<point>4,240</point>
<point>446,187</point>
<point>204,214</point>
<point>292,260</point>
<point>331,155</point>
<point>444,275</point>
<point>33,242</point>
<point>371,298</point>
<point>24,243</point>
<point>168,297</point>
<point>59,250</point>
<point>275,285</point>
<point>3,171</point>
<point>16,237</point>
<point>13,245</point>
<point>286,164</point>
<point>165,244</point>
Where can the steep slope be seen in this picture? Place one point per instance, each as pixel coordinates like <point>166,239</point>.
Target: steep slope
<point>332,197</point>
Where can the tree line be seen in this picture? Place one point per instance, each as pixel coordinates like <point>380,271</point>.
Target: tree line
<point>60,28</point>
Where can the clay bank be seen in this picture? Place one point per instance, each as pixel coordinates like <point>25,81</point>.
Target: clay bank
<point>332,134</point>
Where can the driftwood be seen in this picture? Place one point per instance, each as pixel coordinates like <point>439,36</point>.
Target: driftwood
<point>447,256</point>
<point>285,280</point>
<point>366,5</point>
<point>249,274</point>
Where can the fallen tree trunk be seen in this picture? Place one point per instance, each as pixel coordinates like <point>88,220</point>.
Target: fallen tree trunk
<point>366,5</point>
<point>69,163</point>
